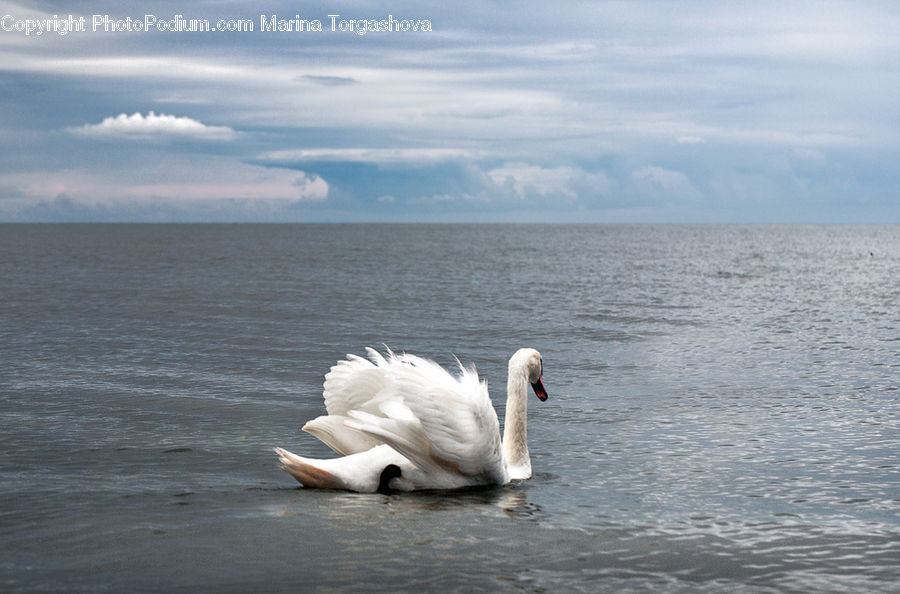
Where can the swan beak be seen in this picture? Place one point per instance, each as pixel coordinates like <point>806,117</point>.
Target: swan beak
<point>539,390</point>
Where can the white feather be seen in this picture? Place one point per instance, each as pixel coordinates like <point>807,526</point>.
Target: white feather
<point>332,431</point>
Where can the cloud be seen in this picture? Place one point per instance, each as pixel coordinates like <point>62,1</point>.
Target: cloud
<point>173,183</point>
<point>329,81</point>
<point>527,180</point>
<point>162,126</point>
<point>311,187</point>
<point>609,105</point>
<point>808,155</point>
<point>365,155</point>
<point>666,181</point>
<point>441,175</point>
<point>183,99</point>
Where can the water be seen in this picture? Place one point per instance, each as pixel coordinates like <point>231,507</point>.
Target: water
<point>724,409</point>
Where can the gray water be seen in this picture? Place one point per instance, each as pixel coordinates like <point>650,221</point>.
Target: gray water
<point>724,410</point>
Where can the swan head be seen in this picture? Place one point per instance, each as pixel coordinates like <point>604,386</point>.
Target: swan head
<point>528,362</point>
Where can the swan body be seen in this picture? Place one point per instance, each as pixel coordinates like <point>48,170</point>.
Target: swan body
<point>401,422</point>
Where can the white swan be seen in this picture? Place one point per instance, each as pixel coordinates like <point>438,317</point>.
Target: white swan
<point>402,422</point>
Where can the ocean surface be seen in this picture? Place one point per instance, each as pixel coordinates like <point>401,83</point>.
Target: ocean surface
<point>724,410</point>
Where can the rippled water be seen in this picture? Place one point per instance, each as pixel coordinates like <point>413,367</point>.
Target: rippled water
<point>724,409</point>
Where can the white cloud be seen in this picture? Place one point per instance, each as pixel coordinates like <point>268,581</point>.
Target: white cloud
<point>367,155</point>
<point>526,180</point>
<point>311,187</point>
<point>674,183</point>
<point>808,155</point>
<point>184,99</point>
<point>202,179</point>
<point>139,126</point>
<point>397,92</point>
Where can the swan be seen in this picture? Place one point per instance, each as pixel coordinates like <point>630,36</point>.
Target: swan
<point>402,422</point>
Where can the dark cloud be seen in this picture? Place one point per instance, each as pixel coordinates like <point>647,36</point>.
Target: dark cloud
<point>329,81</point>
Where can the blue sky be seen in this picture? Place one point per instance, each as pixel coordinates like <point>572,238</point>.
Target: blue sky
<point>505,111</point>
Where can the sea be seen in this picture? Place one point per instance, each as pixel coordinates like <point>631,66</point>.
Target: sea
<point>724,411</point>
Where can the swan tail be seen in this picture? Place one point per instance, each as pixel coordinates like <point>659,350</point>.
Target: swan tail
<point>365,472</point>
<point>307,472</point>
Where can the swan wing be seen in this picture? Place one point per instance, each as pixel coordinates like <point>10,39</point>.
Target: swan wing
<point>442,423</point>
<point>353,384</point>
<point>358,384</point>
<point>456,414</point>
<point>344,440</point>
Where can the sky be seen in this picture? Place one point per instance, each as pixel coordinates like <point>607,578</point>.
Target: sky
<point>481,111</point>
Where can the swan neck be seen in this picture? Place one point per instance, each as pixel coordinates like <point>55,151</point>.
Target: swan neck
<point>515,433</point>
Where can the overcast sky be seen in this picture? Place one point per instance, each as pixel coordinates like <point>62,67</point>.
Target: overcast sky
<point>719,111</point>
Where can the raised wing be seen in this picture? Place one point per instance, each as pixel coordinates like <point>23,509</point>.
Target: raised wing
<point>445,425</point>
<point>354,384</point>
<point>358,384</point>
